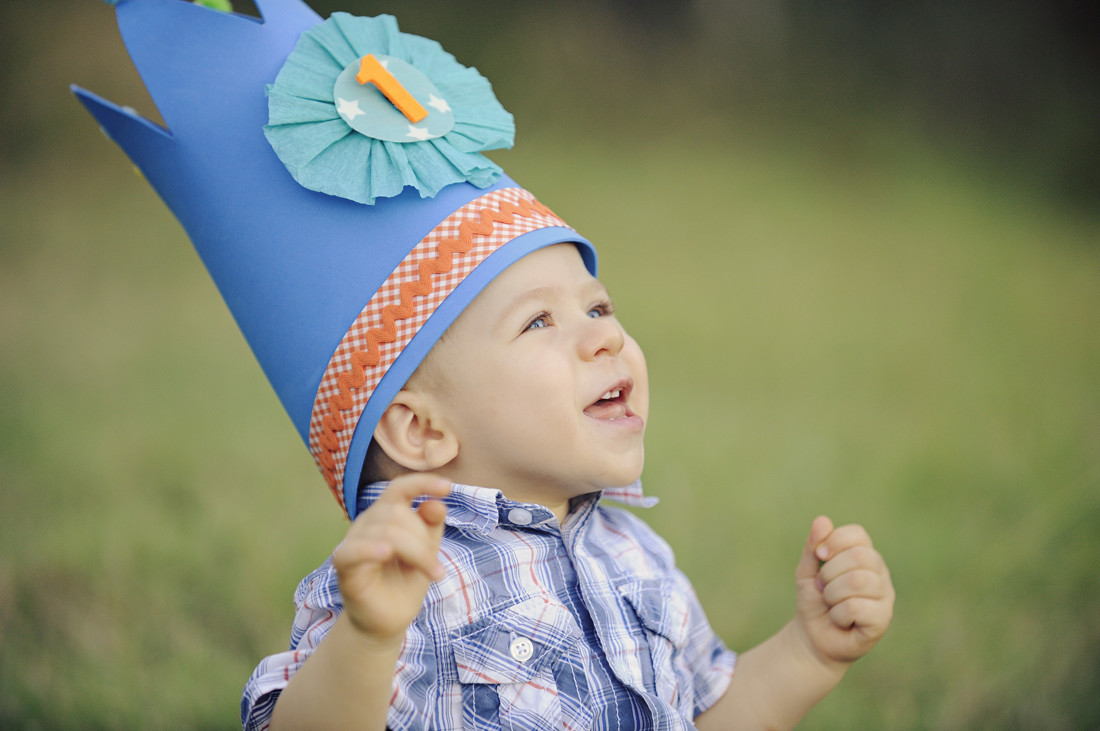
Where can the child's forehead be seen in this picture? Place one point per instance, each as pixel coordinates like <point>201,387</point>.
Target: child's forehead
<point>552,267</point>
<point>544,274</point>
<point>533,281</point>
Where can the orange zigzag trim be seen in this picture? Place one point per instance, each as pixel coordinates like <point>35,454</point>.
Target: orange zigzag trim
<point>355,377</point>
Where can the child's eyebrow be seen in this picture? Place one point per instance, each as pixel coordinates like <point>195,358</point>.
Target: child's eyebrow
<point>546,292</point>
<point>528,296</point>
<point>549,292</point>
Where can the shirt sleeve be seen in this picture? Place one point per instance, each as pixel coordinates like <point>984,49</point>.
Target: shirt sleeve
<point>708,657</point>
<point>709,662</point>
<point>317,603</point>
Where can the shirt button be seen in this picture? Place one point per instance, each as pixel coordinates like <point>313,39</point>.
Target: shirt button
<point>519,516</point>
<point>522,649</point>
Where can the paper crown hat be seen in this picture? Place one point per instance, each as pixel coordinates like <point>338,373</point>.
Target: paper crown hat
<point>329,175</point>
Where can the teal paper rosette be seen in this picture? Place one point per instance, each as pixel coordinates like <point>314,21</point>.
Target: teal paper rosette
<point>341,136</point>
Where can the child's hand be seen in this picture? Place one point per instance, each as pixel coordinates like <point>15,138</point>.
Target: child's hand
<point>845,596</point>
<point>389,557</point>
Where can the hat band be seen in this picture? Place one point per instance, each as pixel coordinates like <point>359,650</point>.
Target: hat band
<point>401,306</point>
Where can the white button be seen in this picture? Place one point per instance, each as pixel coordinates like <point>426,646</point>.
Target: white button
<point>519,516</point>
<point>522,649</point>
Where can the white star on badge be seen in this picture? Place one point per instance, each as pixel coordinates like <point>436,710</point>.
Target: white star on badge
<point>349,110</point>
<point>419,133</point>
<point>440,104</point>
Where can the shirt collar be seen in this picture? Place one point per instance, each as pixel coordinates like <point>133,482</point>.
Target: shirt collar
<point>483,509</point>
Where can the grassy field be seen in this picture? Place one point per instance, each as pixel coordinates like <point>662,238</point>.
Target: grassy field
<point>879,334</point>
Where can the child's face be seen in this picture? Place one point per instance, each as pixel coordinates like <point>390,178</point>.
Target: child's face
<point>521,375</point>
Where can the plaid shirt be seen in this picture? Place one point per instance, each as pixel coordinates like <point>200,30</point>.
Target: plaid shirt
<point>534,626</point>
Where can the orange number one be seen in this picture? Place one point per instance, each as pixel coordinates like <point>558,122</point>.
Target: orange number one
<point>373,72</point>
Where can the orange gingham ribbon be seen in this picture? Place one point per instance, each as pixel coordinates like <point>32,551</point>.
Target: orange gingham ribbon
<point>401,306</point>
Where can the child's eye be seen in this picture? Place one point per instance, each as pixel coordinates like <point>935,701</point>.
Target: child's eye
<point>540,320</point>
<point>601,309</point>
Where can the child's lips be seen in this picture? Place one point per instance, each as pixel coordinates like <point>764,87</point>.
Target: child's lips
<point>612,406</point>
<point>608,410</point>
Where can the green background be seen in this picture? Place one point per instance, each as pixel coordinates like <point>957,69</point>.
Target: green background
<point>861,293</point>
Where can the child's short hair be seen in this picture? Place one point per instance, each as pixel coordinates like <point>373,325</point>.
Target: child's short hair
<point>329,175</point>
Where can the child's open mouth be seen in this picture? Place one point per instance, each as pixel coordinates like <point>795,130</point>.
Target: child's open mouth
<point>612,405</point>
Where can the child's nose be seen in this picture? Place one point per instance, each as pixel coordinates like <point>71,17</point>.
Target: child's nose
<point>601,336</point>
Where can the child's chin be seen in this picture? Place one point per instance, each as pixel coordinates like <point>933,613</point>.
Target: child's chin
<point>625,478</point>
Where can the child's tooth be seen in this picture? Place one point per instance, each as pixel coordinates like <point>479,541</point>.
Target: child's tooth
<point>607,395</point>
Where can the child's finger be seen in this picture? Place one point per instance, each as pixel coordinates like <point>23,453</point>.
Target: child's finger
<point>415,548</point>
<point>420,554</point>
<point>351,553</point>
<point>860,583</point>
<point>394,502</point>
<point>820,530</point>
<point>861,557</point>
<point>433,512</point>
<point>841,539</point>
<point>869,615</point>
<point>406,489</point>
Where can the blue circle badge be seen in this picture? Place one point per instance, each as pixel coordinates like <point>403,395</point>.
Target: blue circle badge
<point>388,99</point>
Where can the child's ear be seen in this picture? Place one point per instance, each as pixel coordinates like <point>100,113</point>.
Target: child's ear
<point>413,436</point>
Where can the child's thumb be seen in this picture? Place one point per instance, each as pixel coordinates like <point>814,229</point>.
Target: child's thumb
<point>820,529</point>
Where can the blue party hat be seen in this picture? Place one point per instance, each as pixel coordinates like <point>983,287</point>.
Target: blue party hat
<point>344,236</point>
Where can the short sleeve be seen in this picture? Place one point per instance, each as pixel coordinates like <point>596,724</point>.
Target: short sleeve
<point>684,647</point>
<point>317,604</point>
<point>711,662</point>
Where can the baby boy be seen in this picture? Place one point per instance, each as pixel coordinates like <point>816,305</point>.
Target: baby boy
<point>544,607</point>
<point>442,344</point>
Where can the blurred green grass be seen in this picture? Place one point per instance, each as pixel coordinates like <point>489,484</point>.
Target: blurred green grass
<point>872,331</point>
